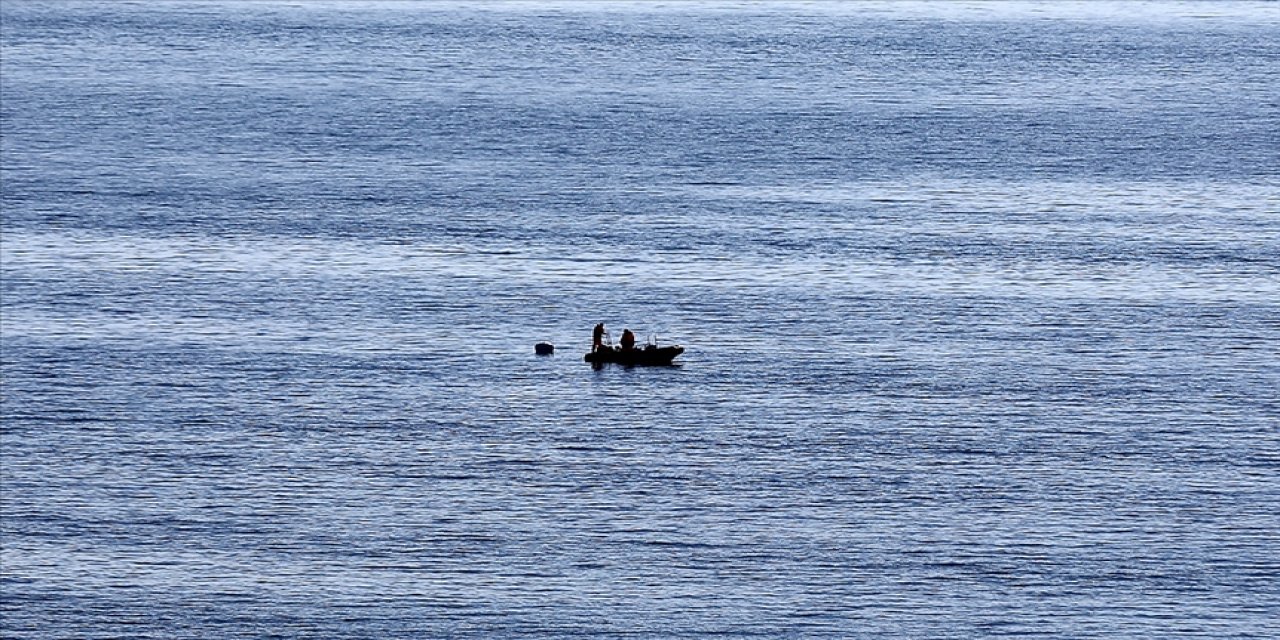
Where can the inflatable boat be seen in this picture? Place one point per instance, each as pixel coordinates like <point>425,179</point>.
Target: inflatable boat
<point>646,356</point>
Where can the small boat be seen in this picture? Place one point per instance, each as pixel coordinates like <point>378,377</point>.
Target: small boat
<point>647,356</point>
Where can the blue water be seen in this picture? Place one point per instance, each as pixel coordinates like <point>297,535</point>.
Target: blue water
<point>981,304</point>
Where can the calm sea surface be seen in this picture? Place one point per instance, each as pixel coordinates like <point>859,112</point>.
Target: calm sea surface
<point>981,304</point>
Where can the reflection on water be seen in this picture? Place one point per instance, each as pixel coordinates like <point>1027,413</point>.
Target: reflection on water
<point>979,305</point>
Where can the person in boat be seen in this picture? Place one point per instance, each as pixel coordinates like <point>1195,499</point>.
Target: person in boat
<point>628,340</point>
<point>597,337</point>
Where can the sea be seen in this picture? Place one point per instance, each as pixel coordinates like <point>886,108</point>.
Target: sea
<point>980,304</point>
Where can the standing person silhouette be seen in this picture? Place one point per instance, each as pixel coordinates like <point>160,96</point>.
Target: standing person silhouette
<point>597,337</point>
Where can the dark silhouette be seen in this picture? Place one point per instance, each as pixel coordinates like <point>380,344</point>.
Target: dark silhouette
<point>626,353</point>
<point>597,338</point>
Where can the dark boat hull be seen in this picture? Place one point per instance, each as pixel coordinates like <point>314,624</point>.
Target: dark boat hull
<point>643,357</point>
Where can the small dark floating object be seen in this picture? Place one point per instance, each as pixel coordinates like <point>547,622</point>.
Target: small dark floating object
<point>646,356</point>
<point>544,348</point>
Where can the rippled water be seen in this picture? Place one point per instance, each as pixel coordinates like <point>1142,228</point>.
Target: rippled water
<point>979,300</point>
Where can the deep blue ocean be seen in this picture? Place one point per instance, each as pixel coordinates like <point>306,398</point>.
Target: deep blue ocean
<point>981,304</point>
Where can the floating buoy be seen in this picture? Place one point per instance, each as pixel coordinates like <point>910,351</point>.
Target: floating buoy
<point>544,348</point>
